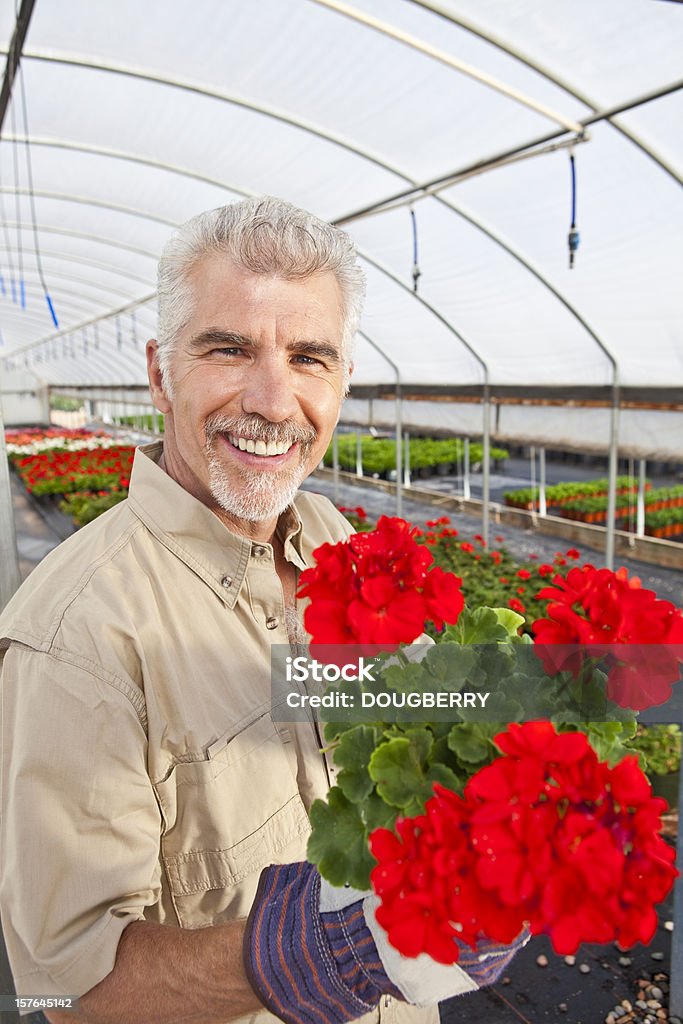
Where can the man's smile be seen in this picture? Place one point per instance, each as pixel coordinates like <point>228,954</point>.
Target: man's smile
<point>259,447</point>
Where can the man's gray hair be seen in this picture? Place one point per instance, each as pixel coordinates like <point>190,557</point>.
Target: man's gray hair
<point>265,236</point>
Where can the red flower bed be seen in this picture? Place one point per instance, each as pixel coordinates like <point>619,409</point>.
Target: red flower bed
<point>597,615</point>
<point>32,435</point>
<point>61,472</point>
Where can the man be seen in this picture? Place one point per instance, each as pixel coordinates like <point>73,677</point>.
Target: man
<point>145,784</point>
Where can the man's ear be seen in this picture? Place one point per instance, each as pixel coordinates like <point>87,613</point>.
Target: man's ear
<point>347,380</point>
<point>156,386</point>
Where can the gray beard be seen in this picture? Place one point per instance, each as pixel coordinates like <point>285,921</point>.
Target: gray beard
<point>260,496</point>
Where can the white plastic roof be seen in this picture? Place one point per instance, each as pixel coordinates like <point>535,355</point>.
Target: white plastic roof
<point>141,114</point>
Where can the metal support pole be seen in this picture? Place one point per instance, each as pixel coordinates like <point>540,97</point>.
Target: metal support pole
<point>676,971</point>
<point>406,469</point>
<point>335,467</point>
<point>466,491</point>
<point>9,561</point>
<point>612,486</point>
<point>399,452</point>
<point>640,505</point>
<point>396,370</point>
<point>486,482</point>
<point>532,475</point>
<point>359,454</point>
<point>542,505</point>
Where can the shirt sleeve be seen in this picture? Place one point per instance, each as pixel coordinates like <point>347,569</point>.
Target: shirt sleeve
<point>80,826</point>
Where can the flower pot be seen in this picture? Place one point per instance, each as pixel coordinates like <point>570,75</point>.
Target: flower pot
<point>666,786</point>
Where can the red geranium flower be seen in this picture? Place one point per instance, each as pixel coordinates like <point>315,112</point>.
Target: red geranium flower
<point>547,835</point>
<point>377,588</point>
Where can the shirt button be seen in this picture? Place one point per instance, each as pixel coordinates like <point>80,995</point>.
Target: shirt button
<point>260,551</point>
<point>226,582</point>
<point>272,622</point>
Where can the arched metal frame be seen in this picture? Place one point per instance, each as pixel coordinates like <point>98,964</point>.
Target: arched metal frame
<point>572,90</point>
<point>398,421</point>
<point>101,204</point>
<point>427,50</point>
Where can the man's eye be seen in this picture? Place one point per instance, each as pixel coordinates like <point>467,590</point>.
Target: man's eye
<point>307,360</point>
<point>231,350</point>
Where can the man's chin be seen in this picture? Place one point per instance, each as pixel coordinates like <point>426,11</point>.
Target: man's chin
<point>258,500</point>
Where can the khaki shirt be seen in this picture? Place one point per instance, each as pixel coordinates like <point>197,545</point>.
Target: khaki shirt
<point>142,773</point>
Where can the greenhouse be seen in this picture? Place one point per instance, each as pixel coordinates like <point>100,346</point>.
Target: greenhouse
<point>510,174</point>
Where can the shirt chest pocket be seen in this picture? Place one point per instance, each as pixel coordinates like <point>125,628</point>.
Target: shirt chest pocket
<point>226,818</point>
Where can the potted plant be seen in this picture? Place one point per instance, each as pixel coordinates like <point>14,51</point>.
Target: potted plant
<point>659,752</point>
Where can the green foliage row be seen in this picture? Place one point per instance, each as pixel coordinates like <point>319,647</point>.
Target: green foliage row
<point>663,517</point>
<point>570,491</point>
<point>148,421</point>
<point>62,404</point>
<point>379,453</point>
<point>83,507</point>
<point>658,748</point>
<point>75,482</point>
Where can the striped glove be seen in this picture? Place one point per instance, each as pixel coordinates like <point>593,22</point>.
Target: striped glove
<point>316,955</point>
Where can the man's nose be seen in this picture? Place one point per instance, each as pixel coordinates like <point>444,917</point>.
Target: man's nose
<point>270,391</point>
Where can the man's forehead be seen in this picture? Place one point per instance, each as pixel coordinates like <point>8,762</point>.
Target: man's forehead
<point>216,268</point>
<point>223,293</point>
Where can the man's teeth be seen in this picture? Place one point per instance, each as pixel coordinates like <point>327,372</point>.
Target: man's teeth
<point>260,447</point>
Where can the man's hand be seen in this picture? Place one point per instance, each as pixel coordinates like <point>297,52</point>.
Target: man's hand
<point>316,955</point>
<point>166,975</point>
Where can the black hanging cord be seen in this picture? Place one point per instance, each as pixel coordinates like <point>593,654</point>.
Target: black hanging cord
<point>17,208</point>
<point>417,273</point>
<point>8,244</point>
<point>573,238</point>
<point>34,219</point>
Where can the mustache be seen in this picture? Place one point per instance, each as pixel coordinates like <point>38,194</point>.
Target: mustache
<point>258,428</point>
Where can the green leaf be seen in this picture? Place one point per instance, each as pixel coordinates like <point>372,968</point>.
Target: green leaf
<point>480,626</point>
<point>510,621</point>
<point>609,739</point>
<point>353,756</point>
<point>338,842</point>
<point>471,743</point>
<point>450,664</point>
<point>405,678</point>
<point>444,775</point>
<point>397,768</point>
<point>378,814</point>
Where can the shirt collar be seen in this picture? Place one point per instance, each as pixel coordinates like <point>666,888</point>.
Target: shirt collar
<point>191,531</point>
